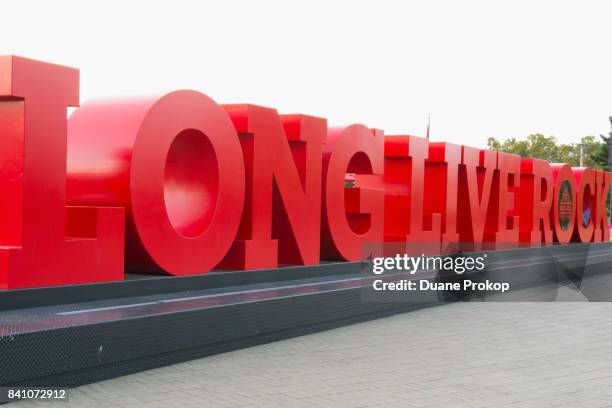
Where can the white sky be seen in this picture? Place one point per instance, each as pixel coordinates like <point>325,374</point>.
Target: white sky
<point>481,68</point>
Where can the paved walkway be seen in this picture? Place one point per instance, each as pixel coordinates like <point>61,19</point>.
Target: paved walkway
<point>470,354</point>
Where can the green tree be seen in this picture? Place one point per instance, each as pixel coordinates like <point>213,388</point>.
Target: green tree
<point>493,144</point>
<point>536,145</point>
<point>600,155</point>
<point>568,154</point>
<point>594,152</point>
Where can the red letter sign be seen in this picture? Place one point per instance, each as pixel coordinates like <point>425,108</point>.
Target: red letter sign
<point>506,182</point>
<point>404,182</point>
<point>602,228</point>
<point>242,187</point>
<point>535,201</point>
<point>475,185</point>
<point>353,215</point>
<point>564,207</point>
<point>282,213</point>
<point>41,240</point>
<point>585,204</point>
<point>442,173</point>
<point>175,163</point>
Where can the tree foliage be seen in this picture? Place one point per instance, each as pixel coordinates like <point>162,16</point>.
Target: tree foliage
<point>595,151</point>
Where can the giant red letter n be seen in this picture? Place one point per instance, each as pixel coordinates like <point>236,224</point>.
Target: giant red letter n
<point>282,211</point>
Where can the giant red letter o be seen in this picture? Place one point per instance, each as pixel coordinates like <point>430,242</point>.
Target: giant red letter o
<point>175,163</point>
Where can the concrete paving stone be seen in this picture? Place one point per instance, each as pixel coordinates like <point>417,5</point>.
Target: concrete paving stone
<point>458,355</point>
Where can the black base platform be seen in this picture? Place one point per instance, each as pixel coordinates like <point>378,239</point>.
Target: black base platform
<point>68,336</point>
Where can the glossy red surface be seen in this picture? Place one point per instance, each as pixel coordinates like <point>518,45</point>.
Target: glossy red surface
<point>43,242</point>
<point>352,216</point>
<point>405,193</point>
<point>185,185</point>
<point>281,221</point>
<point>503,198</point>
<point>475,185</point>
<point>562,173</point>
<point>174,163</point>
<point>602,229</point>
<point>535,202</point>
